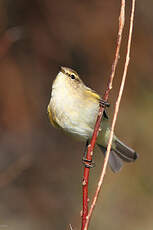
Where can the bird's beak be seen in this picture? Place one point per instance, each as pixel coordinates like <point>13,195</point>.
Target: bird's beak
<point>62,69</point>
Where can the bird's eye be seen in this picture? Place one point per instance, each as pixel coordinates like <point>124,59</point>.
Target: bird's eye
<point>72,76</point>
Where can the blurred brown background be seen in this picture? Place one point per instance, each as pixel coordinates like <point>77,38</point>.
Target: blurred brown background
<point>40,168</point>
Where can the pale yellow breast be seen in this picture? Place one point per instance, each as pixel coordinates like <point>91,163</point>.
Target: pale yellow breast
<point>73,110</point>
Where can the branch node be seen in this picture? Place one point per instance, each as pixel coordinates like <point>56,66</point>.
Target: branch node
<point>100,113</point>
<point>84,183</point>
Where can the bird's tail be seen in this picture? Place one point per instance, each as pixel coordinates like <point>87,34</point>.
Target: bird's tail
<point>124,152</point>
<point>118,154</point>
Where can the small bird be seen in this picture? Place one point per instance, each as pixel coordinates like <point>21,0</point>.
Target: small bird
<point>74,107</point>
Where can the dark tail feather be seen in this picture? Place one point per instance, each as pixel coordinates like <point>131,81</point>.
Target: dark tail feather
<point>124,152</point>
<point>121,152</point>
<point>114,161</point>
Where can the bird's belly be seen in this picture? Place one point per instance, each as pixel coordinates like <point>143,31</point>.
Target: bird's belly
<point>79,125</point>
<point>74,117</point>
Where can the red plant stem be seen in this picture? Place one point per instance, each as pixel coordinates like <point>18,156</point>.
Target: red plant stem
<point>86,170</point>
<point>99,117</point>
<point>114,117</point>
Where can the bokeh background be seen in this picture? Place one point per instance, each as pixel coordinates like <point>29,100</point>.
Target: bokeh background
<point>40,168</point>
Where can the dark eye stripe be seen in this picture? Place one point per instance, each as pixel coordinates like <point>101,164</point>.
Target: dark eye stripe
<point>72,76</point>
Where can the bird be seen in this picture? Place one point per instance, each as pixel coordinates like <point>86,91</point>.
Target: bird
<point>73,108</point>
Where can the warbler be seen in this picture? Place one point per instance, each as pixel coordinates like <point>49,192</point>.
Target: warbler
<point>74,107</point>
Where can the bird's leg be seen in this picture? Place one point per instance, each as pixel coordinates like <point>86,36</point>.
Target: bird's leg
<point>86,162</point>
<point>85,152</point>
<point>103,103</point>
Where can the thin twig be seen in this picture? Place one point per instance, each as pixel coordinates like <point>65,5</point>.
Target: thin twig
<point>114,118</point>
<point>99,117</point>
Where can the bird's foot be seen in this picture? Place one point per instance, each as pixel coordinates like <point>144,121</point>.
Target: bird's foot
<point>88,163</point>
<point>104,103</point>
